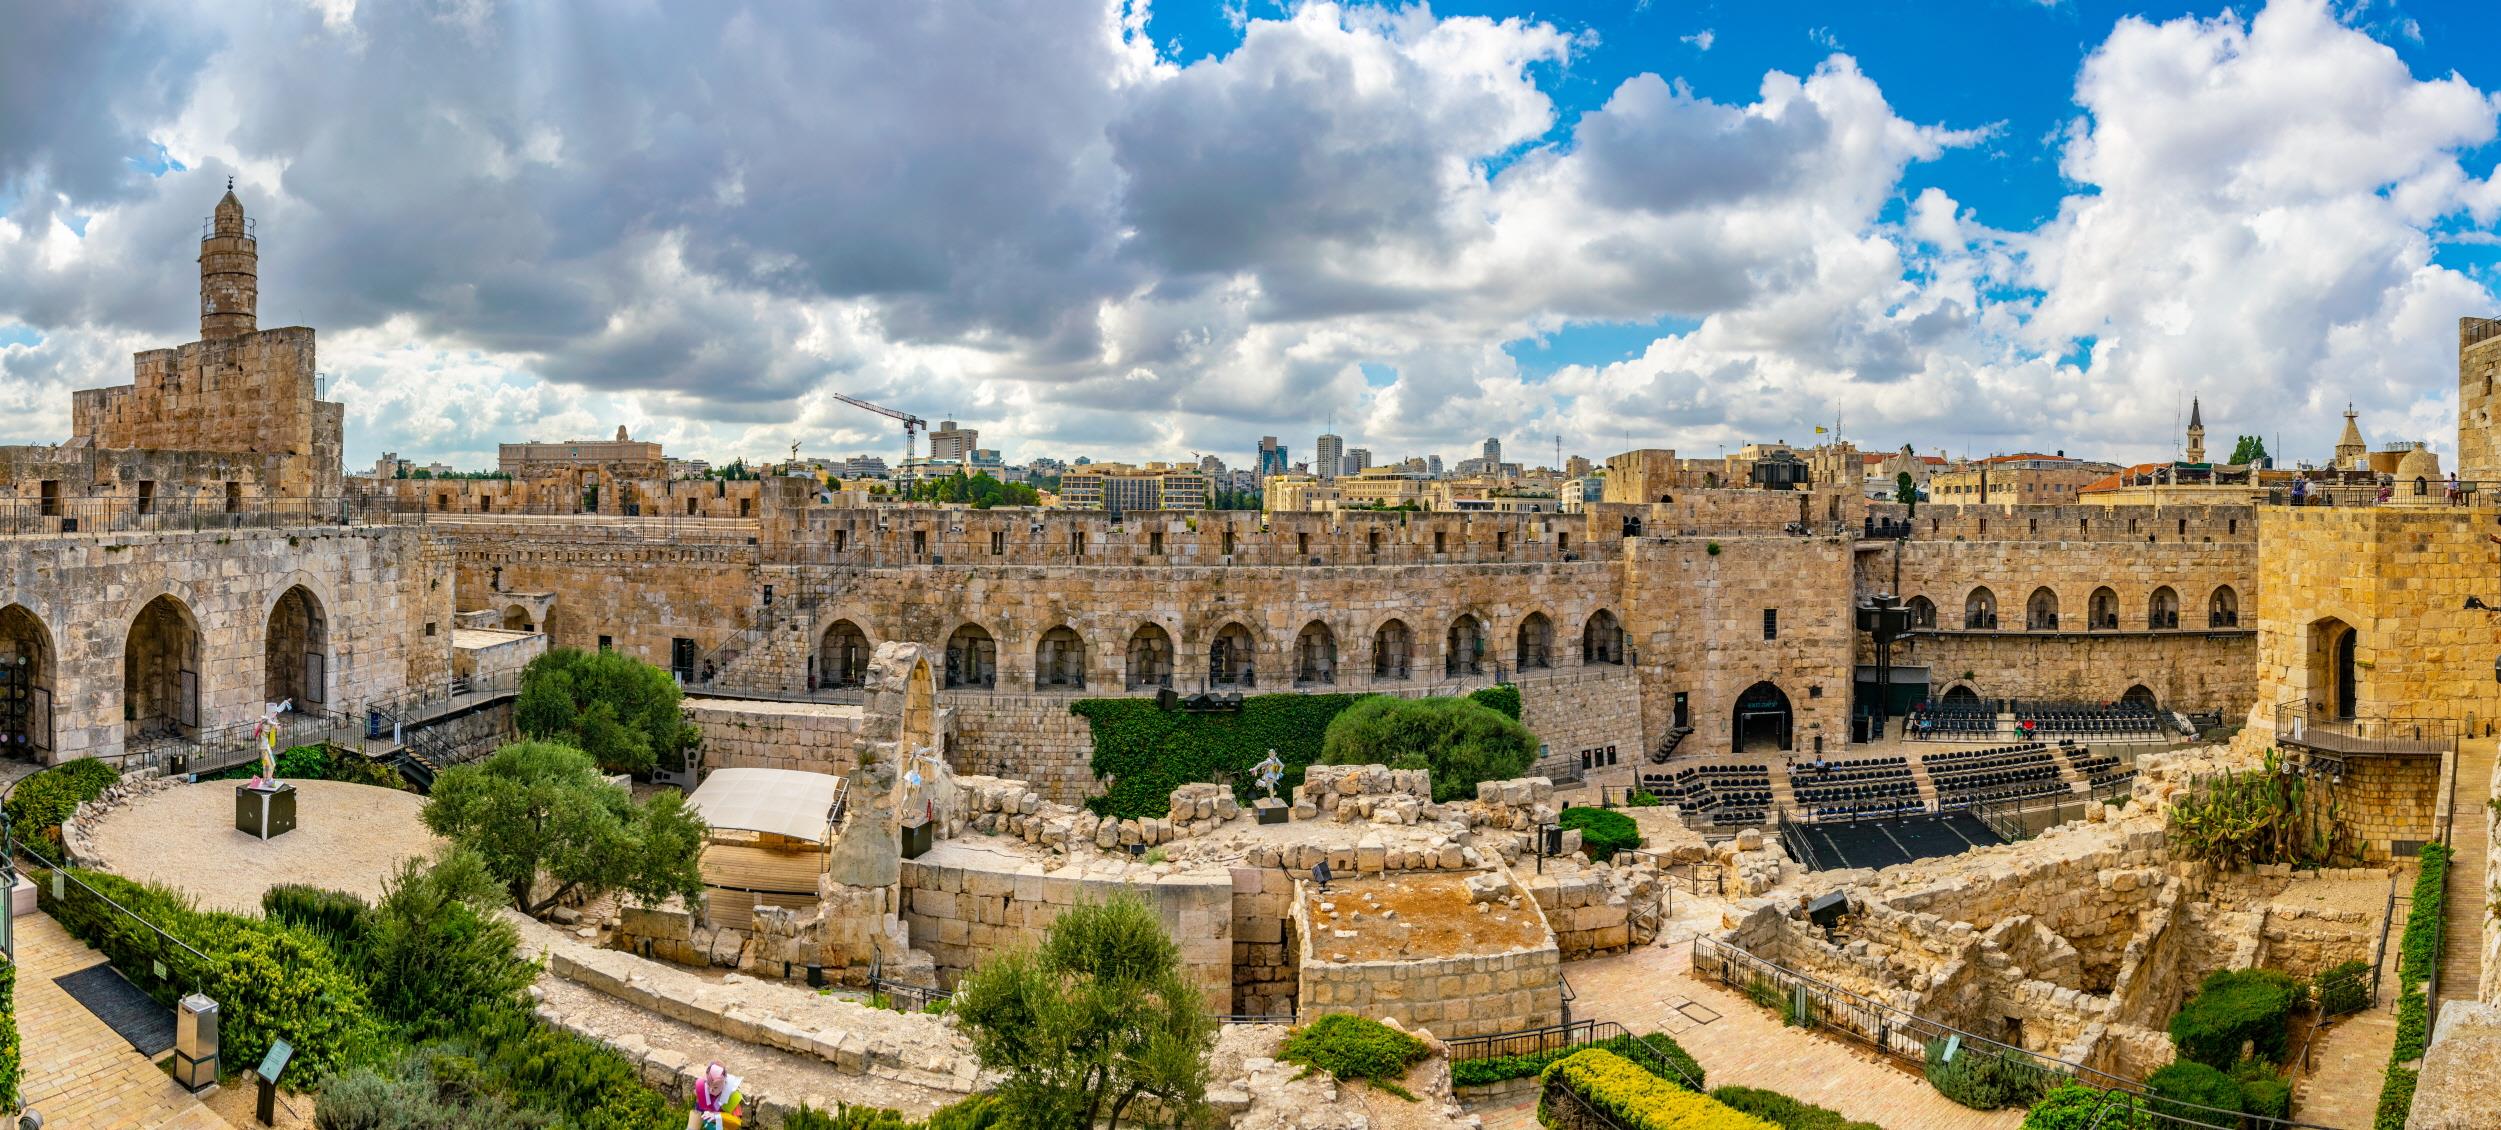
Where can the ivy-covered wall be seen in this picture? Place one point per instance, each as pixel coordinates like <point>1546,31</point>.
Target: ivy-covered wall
<point>1144,752</point>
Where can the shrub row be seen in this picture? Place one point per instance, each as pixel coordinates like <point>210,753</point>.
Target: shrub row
<point>41,803</point>
<point>1785,1112</point>
<point>1603,831</point>
<point>320,763</point>
<point>1987,1079</point>
<point>1633,1097</point>
<point>2418,951</point>
<point>979,1112</point>
<point>1682,1069</point>
<point>1145,752</point>
<point>12,1067</point>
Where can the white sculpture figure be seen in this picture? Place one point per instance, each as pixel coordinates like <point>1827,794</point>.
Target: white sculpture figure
<point>918,807</point>
<point>1271,770</point>
<point>266,733</point>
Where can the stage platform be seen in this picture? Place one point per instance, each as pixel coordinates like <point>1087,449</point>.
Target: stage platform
<point>1883,843</point>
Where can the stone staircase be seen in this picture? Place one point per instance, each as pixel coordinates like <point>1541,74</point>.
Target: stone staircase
<point>2462,942</point>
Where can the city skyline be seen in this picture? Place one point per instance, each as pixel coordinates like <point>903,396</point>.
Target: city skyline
<point>1827,229</point>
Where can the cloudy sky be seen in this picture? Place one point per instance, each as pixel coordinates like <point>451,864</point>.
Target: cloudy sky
<point>1120,231</point>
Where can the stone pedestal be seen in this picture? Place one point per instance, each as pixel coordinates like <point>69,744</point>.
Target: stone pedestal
<point>22,898</point>
<point>264,813</point>
<point>916,840</point>
<point>1271,810</point>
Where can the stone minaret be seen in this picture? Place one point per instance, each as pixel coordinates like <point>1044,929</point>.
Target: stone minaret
<point>229,273</point>
<point>2196,433</point>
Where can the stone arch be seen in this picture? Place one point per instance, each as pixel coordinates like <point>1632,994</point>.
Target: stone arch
<point>2223,608</point>
<point>842,654</point>
<point>1602,639</point>
<point>1059,659</point>
<point>1464,646</point>
<point>517,619</point>
<point>1149,662</point>
<point>295,650</point>
<point>1232,657</point>
<point>2101,610</point>
<point>1760,718</point>
<point>2162,609</point>
<point>972,657</point>
<point>2040,611</point>
<point>1393,650</point>
<point>161,660</point>
<point>2333,670</point>
<point>1980,609</point>
<point>1315,655</point>
<point>1923,612</point>
<point>2139,695</point>
<point>1533,646</point>
<point>1961,694</point>
<point>29,666</point>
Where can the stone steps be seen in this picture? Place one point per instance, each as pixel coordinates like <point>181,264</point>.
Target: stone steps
<point>2461,958</point>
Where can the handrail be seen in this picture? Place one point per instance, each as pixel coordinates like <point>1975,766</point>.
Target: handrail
<point>62,873</point>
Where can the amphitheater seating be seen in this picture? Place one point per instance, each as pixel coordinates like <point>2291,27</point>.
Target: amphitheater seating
<point>1932,721</point>
<point>1873,786</point>
<point>1733,795</point>
<point>1967,776</point>
<point>2111,719</point>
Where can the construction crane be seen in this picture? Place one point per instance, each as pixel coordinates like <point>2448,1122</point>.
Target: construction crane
<point>911,424</point>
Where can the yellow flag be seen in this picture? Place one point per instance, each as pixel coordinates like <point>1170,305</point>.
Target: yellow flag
<point>1819,429</point>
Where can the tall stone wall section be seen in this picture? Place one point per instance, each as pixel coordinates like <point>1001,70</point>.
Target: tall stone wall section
<point>2400,578</point>
<point>476,733</point>
<point>1267,954</point>
<point>2195,671</point>
<point>809,737</point>
<point>1589,712</point>
<point>386,608</point>
<point>1697,611</point>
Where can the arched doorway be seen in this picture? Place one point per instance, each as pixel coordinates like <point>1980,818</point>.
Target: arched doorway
<point>1315,655</point>
<point>2102,612</point>
<point>517,619</point>
<point>842,656</point>
<point>1960,695</point>
<point>1761,721</point>
<point>972,658</point>
<point>1980,610</point>
<point>1923,612</point>
<point>26,666</point>
<point>1231,659</point>
<point>2162,610</point>
<point>1601,640</point>
<point>2334,685</point>
<point>1535,646</point>
<point>1059,660</point>
<point>2139,695</point>
<point>1150,658</point>
<point>1393,650</point>
<point>296,655</point>
<point>161,672</point>
<point>1465,654</point>
<point>2040,613</point>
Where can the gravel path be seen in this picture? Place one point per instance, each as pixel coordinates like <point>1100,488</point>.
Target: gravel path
<point>347,837</point>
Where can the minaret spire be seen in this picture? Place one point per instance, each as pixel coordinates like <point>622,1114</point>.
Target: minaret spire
<point>229,272</point>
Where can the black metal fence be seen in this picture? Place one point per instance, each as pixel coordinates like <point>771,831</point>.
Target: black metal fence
<point>2315,725</point>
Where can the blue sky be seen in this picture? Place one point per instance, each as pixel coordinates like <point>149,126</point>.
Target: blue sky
<point>1977,226</point>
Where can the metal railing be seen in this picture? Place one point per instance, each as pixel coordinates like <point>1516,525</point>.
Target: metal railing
<point>2313,725</point>
<point>2014,818</point>
<point>55,877</point>
<point>1908,1036</point>
<point>1570,1035</point>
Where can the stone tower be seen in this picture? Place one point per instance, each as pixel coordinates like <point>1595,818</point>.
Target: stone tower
<point>2351,453</point>
<point>2196,433</point>
<point>229,273</point>
<point>2479,362</point>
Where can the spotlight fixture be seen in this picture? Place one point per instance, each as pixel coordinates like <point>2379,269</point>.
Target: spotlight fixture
<point>2476,604</point>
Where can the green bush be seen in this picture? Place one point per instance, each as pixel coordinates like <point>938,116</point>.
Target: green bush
<point>2343,988</point>
<point>2181,1088</point>
<point>270,979</point>
<point>1144,752</point>
<point>2413,1022</point>
<point>1634,1098</point>
<point>1986,1078</point>
<point>979,1112</point>
<point>337,916</point>
<point>1786,1112</point>
<point>625,713</point>
<point>1655,1051</point>
<point>1640,799</point>
<point>41,803</point>
<point>556,1071</point>
<point>2073,1106</point>
<point>12,1066</point>
<point>2233,1007</point>
<point>1355,1047</point>
<point>1461,741</point>
<point>1603,832</point>
<point>1503,697</point>
<point>2267,1098</point>
<point>2418,949</point>
<point>435,950</point>
<point>426,1090</point>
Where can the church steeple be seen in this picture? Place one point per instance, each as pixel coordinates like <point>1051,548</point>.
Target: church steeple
<point>2196,433</point>
<point>2351,453</point>
<point>229,272</point>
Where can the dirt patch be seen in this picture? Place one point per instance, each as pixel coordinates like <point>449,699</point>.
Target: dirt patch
<point>1417,914</point>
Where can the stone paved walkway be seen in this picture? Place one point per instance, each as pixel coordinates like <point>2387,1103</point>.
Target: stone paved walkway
<point>78,1073</point>
<point>1747,1046</point>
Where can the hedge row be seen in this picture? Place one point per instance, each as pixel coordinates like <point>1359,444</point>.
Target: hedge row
<point>2233,1007</point>
<point>1145,752</point>
<point>1786,1112</point>
<point>41,803</point>
<point>1682,1069</point>
<point>2418,952</point>
<point>12,1067</point>
<point>320,763</point>
<point>1634,1098</point>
